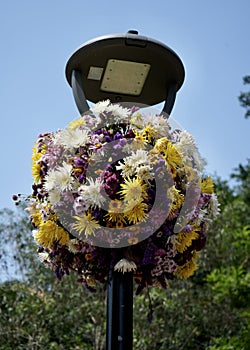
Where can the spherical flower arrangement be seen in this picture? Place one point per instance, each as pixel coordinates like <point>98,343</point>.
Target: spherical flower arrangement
<point>120,190</point>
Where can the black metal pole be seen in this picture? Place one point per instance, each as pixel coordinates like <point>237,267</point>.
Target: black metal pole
<point>119,329</point>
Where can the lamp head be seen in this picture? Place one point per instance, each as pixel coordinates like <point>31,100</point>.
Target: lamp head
<point>125,68</point>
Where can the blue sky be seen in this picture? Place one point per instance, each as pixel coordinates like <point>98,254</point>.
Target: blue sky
<point>37,38</point>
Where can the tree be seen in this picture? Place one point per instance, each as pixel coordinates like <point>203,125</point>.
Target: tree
<point>36,310</point>
<point>244,97</point>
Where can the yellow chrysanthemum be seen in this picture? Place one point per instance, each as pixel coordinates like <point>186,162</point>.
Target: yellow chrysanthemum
<point>176,199</point>
<point>183,240</point>
<point>86,224</point>
<point>36,165</point>
<point>137,213</point>
<point>149,133</point>
<point>170,153</point>
<point>190,173</point>
<point>161,145</point>
<point>187,270</point>
<point>76,123</point>
<point>116,211</point>
<point>49,232</point>
<point>207,185</point>
<point>36,219</point>
<point>140,137</point>
<point>133,190</point>
<point>173,156</point>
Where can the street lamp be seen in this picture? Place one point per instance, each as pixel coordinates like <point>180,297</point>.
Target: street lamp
<point>133,69</point>
<point>125,68</point>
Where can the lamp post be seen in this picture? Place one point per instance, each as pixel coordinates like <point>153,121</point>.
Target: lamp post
<point>133,69</point>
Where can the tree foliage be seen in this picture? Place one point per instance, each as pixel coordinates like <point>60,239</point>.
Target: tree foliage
<point>209,311</point>
<point>244,97</point>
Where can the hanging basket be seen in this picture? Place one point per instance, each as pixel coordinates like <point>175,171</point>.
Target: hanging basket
<point>120,190</point>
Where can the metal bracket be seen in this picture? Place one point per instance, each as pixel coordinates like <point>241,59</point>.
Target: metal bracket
<point>170,99</point>
<point>78,93</point>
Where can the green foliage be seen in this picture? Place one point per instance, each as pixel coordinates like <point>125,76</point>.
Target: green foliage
<point>232,283</point>
<point>239,342</point>
<point>242,176</point>
<point>63,318</point>
<point>244,97</point>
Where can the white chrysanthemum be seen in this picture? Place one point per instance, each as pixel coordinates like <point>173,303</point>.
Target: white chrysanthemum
<point>119,112</point>
<point>54,196</point>
<point>213,206</point>
<point>185,140</point>
<point>159,124</point>
<point>72,138</point>
<point>59,178</point>
<point>63,177</point>
<point>100,107</point>
<point>140,157</point>
<point>92,192</point>
<point>125,265</point>
<point>131,163</point>
<point>191,155</point>
<point>50,180</point>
